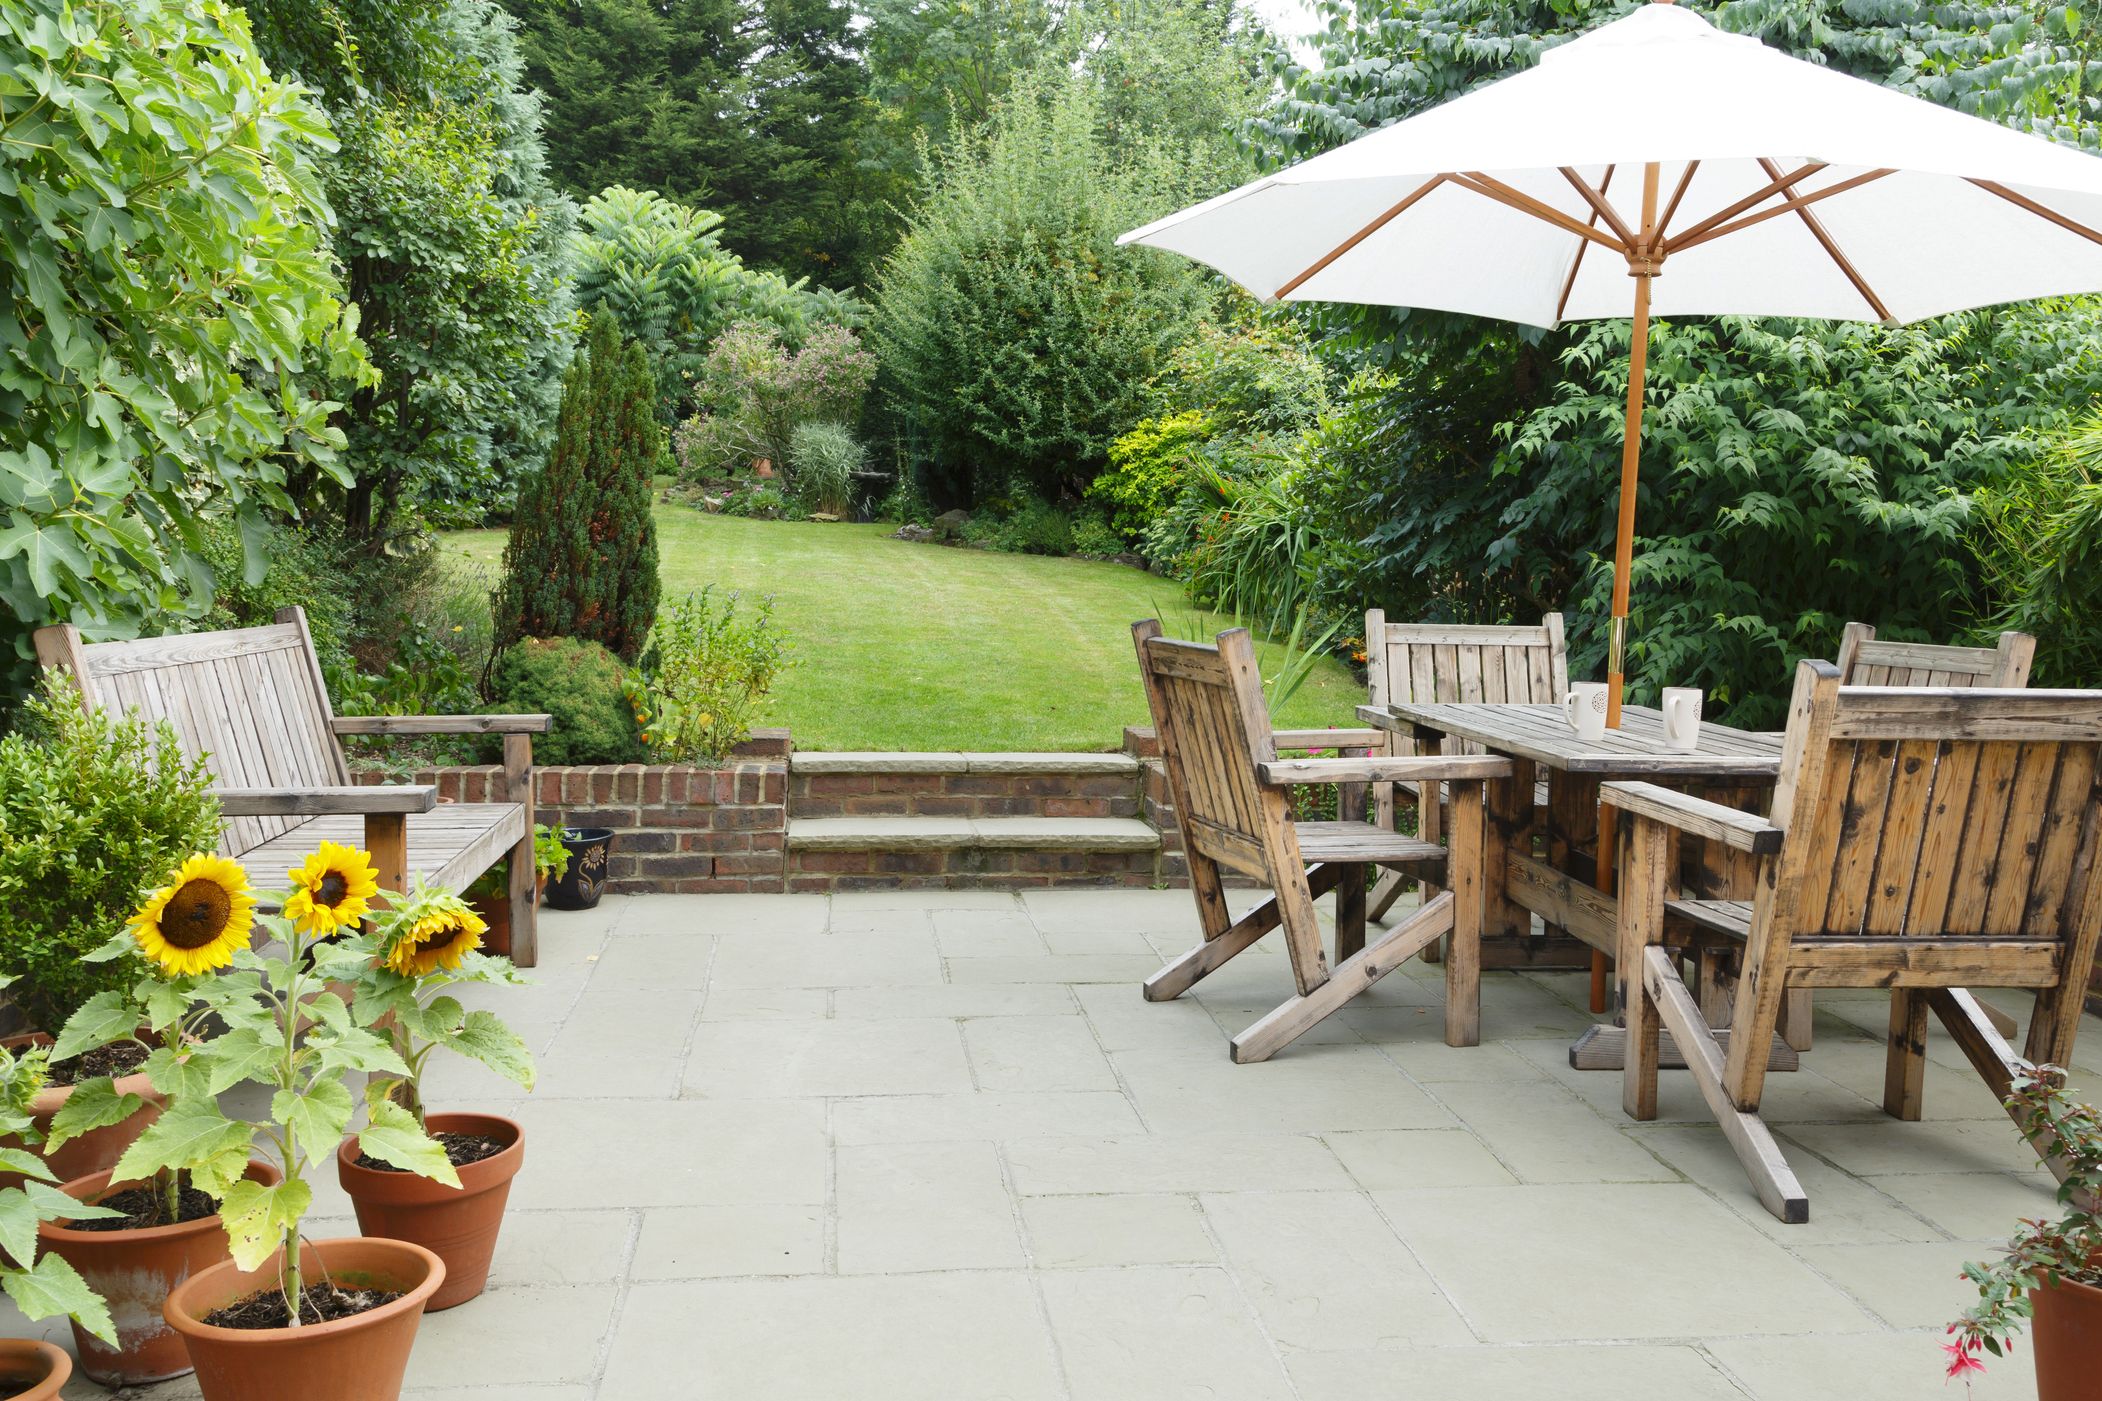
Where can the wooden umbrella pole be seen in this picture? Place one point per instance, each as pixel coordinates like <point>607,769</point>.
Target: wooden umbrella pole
<point>1644,260</point>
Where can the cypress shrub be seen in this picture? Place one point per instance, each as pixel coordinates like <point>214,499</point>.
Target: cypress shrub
<point>582,558</point>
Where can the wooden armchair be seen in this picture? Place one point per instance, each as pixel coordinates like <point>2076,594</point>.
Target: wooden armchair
<point>1863,661</point>
<point>1924,840</point>
<point>251,702</point>
<point>1233,803</point>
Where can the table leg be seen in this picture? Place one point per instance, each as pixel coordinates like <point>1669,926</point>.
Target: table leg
<point>1608,844</point>
<point>1509,828</point>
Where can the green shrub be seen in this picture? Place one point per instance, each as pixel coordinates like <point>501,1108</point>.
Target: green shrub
<point>2039,543</point>
<point>905,503</point>
<point>1257,378</point>
<point>755,391</point>
<point>1036,528</point>
<point>1149,469</point>
<point>823,460</point>
<point>582,557</point>
<point>1251,533</point>
<point>762,498</point>
<point>580,684</point>
<point>95,812</point>
<point>302,569</point>
<point>1092,537</point>
<point>704,677</point>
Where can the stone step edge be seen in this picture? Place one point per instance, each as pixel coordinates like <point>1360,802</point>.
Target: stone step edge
<point>955,833</point>
<point>817,761</point>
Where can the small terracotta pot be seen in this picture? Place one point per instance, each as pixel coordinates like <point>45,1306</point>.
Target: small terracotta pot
<point>134,1271</point>
<point>348,1359</point>
<point>495,911</point>
<point>460,1224</point>
<point>2067,1339</point>
<point>96,1150</point>
<point>32,1371</point>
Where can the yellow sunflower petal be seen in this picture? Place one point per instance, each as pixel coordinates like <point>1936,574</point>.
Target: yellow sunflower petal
<point>199,919</point>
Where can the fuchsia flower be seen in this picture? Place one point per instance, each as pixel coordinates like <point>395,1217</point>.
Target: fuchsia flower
<point>1963,1359</point>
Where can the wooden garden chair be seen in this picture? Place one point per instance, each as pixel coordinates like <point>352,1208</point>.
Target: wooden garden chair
<point>1233,802</point>
<point>1453,662</point>
<point>251,703</point>
<point>1863,661</point>
<point>1923,839</point>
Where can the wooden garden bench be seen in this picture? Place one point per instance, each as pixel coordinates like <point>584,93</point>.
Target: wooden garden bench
<point>1922,839</point>
<point>1233,804</point>
<point>251,703</point>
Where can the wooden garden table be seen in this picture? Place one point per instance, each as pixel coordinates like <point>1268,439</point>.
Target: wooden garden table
<point>1562,868</point>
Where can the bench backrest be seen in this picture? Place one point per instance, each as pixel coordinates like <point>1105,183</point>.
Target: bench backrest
<point>1208,711</point>
<point>1967,823</point>
<point>1428,662</point>
<point>250,701</point>
<point>1863,661</point>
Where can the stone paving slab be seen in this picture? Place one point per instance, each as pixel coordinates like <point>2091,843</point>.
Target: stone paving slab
<point>935,1147</point>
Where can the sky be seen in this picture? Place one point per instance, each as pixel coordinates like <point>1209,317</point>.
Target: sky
<point>1292,18</point>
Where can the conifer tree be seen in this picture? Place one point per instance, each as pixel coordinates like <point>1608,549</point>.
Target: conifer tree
<point>582,559</point>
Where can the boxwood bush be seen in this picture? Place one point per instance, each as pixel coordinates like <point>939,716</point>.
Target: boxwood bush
<point>579,683</point>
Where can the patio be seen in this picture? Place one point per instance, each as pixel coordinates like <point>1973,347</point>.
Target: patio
<point>935,1145</point>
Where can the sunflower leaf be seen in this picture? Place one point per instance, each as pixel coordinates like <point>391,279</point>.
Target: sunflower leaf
<point>485,1038</point>
<point>190,1134</point>
<point>118,945</point>
<point>172,1073</point>
<point>356,1049</point>
<point>394,1136</point>
<point>94,1104</point>
<point>258,1218</point>
<point>27,1163</point>
<point>316,1117</point>
<point>18,1227</point>
<point>53,1287</point>
<point>166,1003</point>
<point>104,1018</point>
<point>54,1205</point>
<point>244,1053</point>
<point>436,1022</point>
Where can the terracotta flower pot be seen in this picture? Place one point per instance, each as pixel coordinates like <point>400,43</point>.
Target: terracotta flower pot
<point>459,1224</point>
<point>32,1371</point>
<point>134,1271</point>
<point>96,1150</point>
<point>349,1359</point>
<point>2067,1333</point>
<point>495,911</point>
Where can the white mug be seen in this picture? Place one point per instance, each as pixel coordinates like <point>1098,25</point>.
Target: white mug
<point>1585,708</point>
<point>1682,717</point>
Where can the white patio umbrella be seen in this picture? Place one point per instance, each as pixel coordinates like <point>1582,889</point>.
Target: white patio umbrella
<point>1721,175</point>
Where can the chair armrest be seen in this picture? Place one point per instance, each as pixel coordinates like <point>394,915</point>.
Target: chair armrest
<point>1412,768</point>
<point>326,802</point>
<point>1744,830</point>
<point>442,724</point>
<point>1329,739</point>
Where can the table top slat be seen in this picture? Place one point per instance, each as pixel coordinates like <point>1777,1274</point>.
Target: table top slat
<point>1542,734</point>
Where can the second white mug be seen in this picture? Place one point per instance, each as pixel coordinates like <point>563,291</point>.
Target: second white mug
<point>1682,717</point>
<point>1585,707</point>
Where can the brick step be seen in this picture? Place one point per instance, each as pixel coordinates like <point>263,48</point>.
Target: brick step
<point>844,784</point>
<point>858,853</point>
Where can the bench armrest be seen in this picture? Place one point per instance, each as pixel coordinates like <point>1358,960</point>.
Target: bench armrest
<point>326,802</point>
<point>1412,768</point>
<point>1744,830</point>
<point>1329,739</point>
<point>442,724</point>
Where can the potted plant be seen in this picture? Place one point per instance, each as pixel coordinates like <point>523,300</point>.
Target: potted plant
<point>92,809</point>
<point>285,1316</point>
<point>159,1230</point>
<point>584,872</point>
<point>42,1286</point>
<point>2051,1271</point>
<point>428,948</point>
<point>490,895</point>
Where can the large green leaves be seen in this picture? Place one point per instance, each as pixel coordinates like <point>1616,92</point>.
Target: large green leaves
<point>394,1136</point>
<point>259,1219</point>
<point>316,1116</point>
<point>485,1038</point>
<point>53,1288</point>
<point>94,1104</point>
<point>193,1135</point>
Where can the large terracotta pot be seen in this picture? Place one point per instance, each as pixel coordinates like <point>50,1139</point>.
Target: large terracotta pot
<point>349,1359</point>
<point>134,1271</point>
<point>96,1150</point>
<point>2067,1334</point>
<point>32,1371</point>
<point>459,1223</point>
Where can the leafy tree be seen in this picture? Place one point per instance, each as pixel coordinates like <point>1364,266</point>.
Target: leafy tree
<point>1011,331</point>
<point>170,301</point>
<point>2039,544</point>
<point>582,558</point>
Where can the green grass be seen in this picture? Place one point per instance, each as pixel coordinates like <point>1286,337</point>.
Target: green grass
<point>902,646</point>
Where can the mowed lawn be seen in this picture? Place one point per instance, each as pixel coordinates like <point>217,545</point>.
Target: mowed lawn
<point>903,646</point>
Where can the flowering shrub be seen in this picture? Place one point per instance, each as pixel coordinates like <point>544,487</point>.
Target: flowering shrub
<point>1149,467</point>
<point>704,677</point>
<point>754,391</point>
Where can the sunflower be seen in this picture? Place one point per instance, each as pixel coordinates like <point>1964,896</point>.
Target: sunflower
<point>332,890</point>
<point>444,935</point>
<point>195,922</point>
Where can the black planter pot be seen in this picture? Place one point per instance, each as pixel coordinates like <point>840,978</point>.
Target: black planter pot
<point>580,885</point>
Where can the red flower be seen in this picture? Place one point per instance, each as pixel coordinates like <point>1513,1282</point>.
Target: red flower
<point>1963,1359</point>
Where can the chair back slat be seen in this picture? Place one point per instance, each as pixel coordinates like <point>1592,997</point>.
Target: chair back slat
<point>1865,661</point>
<point>248,701</point>
<point>1419,662</point>
<point>1208,711</point>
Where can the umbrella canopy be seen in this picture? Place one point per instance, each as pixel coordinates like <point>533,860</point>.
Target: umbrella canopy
<point>1720,175</point>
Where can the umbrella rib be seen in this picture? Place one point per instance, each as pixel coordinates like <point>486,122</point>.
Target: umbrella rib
<point>1831,247</point>
<point>1600,209</point>
<point>1492,188</point>
<point>1671,208</point>
<point>1691,238</point>
<point>1576,264</point>
<point>1731,211</point>
<point>1362,234</point>
<point>2041,211</point>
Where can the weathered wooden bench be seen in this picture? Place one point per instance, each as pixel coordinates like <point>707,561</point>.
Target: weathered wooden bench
<point>251,703</point>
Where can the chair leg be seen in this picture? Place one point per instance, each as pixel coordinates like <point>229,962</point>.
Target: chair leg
<point>1350,912</point>
<point>1795,1019</point>
<point>1184,973</point>
<point>1463,956</point>
<point>1905,1062</point>
<point>1385,892</point>
<point>1641,930</point>
<point>1293,1019</point>
<point>1971,1026</point>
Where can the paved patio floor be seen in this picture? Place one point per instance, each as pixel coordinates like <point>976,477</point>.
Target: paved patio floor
<point>936,1146</point>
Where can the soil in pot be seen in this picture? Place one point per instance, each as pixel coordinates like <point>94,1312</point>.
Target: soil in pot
<point>318,1303</point>
<point>134,1263</point>
<point>359,1357</point>
<point>32,1371</point>
<point>115,1061</point>
<point>98,1149</point>
<point>460,1224</point>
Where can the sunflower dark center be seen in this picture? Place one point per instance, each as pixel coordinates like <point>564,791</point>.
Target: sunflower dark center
<point>197,915</point>
<point>332,889</point>
<point>444,939</point>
